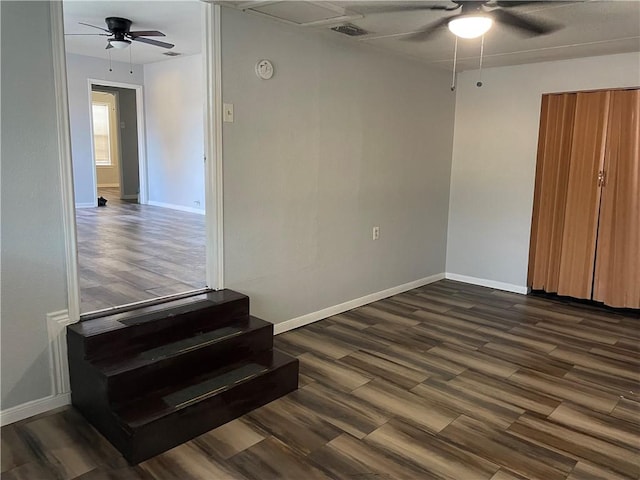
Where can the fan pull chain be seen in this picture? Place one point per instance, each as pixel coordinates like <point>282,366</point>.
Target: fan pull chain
<point>131,60</point>
<point>479,84</point>
<point>109,52</point>
<point>455,59</point>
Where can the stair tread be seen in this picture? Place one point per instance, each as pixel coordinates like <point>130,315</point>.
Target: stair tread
<point>109,367</point>
<point>192,393</point>
<point>181,395</point>
<point>117,321</point>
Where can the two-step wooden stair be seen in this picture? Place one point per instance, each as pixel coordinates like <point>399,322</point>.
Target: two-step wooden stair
<point>152,378</point>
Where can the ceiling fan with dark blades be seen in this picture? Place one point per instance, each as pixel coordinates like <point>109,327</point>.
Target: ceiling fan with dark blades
<point>121,35</point>
<point>475,18</point>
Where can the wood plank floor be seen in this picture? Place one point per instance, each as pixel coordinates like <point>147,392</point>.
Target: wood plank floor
<point>447,381</point>
<point>129,252</point>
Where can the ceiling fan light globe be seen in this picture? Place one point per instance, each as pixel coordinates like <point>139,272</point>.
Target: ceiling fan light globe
<point>472,26</point>
<point>119,43</point>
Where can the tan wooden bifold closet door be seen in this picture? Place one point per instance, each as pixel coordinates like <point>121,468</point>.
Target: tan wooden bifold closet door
<point>585,231</point>
<point>617,273</point>
<point>552,176</point>
<point>583,195</point>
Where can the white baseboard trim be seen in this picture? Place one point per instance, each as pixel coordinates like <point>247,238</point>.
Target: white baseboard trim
<point>176,207</point>
<point>108,185</point>
<point>86,205</point>
<point>312,317</point>
<point>57,329</point>
<point>483,282</point>
<point>58,371</point>
<point>35,407</point>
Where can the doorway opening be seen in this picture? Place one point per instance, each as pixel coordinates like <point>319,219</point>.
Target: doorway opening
<point>138,142</point>
<point>115,144</point>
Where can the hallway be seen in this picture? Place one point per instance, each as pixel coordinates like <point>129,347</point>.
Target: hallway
<point>129,252</point>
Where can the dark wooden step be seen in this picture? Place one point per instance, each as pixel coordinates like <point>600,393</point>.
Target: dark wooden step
<point>177,413</point>
<point>145,328</point>
<point>154,377</point>
<point>190,357</point>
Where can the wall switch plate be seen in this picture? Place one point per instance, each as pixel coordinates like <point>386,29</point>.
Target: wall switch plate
<point>375,234</point>
<point>227,115</point>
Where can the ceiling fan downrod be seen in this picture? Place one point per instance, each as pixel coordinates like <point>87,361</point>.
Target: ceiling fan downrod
<point>455,59</point>
<point>479,83</point>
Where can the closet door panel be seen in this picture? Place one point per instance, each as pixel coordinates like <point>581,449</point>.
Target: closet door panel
<point>583,195</point>
<point>552,177</point>
<point>617,273</point>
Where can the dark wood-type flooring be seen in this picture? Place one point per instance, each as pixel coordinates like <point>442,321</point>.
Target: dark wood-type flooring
<point>447,381</point>
<point>129,252</point>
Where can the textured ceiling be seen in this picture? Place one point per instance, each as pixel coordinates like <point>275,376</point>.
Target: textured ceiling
<point>590,28</point>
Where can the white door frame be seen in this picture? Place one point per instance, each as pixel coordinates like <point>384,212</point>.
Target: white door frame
<point>116,97</point>
<point>213,151</point>
<point>212,63</point>
<point>143,188</point>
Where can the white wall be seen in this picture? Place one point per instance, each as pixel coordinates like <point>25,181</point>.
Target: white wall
<point>79,69</point>
<point>494,158</point>
<point>174,120</point>
<point>341,139</point>
<point>32,260</point>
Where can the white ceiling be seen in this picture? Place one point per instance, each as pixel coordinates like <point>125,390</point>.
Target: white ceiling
<point>590,28</point>
<point>179,20</point>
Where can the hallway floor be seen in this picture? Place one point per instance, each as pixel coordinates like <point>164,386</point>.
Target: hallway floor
<point>129,252</point>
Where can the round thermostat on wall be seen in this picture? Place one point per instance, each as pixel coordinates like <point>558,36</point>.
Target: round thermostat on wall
<point>264,69</point>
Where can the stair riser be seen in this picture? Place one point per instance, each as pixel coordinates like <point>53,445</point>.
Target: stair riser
<point>130,384</point>
<point>88,396</point>
<point>158,332</point>
<point>187,424</point>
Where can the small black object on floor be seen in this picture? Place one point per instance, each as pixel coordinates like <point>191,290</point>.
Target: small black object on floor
<point>102,202</point>
<point>152,378</point>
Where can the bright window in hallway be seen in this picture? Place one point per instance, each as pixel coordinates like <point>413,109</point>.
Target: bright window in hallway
<point>101,134</point>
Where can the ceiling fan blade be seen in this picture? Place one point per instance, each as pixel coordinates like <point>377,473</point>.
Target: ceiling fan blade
<point>531,27</point>
<point>157,43</point>
<point>94,26</point>
<point>91,34</point>
<point>146,33</point>
<point>509,4</point>
<point>413,8</point>
<point>427,31</point>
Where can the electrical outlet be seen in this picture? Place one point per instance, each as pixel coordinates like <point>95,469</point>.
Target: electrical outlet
<point>375,234</point>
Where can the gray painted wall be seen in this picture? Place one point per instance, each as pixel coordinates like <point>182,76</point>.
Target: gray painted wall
<point>174,119</point>
<point>341,139</point>
<point>32,258</point>
<point>494,158</point>
<point>79,69</point>
<point>127,112</point>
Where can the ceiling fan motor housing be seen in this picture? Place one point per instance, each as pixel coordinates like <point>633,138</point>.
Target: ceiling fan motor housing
<point>471,8</point>
<point>118,25</point>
